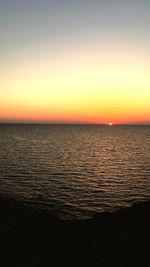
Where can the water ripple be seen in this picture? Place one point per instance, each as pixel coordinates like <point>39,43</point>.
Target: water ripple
<point>75,171</point>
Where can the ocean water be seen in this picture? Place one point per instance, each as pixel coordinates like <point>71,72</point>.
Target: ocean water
<point>75,170</point>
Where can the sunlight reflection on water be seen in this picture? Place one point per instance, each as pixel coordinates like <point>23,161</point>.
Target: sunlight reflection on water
<point>76,170</point>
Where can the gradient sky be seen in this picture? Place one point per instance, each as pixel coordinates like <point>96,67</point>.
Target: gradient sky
<point>75,61</point>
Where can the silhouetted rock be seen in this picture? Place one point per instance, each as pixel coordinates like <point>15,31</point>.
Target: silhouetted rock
<point>36,238</point>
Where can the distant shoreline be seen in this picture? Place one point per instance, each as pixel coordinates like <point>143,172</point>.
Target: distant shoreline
<point>74,124</point>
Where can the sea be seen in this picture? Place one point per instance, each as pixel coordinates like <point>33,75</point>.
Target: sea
<point>75,171</point>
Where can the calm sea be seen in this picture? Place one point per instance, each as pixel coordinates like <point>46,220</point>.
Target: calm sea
<point>75,170</point>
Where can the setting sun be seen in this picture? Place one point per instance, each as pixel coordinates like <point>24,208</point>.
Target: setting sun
<point>74,133</point>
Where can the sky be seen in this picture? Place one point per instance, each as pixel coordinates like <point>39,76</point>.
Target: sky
<point>75,61</point>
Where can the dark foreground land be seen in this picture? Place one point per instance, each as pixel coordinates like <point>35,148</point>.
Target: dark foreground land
<point>32,238</point>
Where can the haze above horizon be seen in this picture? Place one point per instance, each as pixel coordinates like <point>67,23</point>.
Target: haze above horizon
<point>75,61</point>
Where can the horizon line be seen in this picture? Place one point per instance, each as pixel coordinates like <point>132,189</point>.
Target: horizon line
<point>75,123</point>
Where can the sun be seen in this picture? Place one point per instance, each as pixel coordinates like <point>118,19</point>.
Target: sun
<point>110,123</point>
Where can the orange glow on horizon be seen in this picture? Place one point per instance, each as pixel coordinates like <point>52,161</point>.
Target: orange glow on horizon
<point>90,88</point>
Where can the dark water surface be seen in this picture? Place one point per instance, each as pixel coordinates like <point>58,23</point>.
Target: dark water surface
<point>75,170</point>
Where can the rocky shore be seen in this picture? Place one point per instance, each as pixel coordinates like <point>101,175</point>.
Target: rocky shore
<point>29,237</point>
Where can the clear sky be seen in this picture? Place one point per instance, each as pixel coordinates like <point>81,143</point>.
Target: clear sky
<point>75,61</point>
